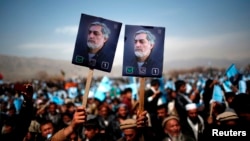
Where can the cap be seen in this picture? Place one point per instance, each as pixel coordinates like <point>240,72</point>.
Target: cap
<point>190,106</point>
<point>128,123</point>
<point>228,115</point>
<point>169,118</point>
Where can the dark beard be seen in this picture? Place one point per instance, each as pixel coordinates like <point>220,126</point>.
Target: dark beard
<point>195,120</point>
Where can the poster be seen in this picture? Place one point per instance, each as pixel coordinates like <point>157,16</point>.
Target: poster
<point>96,42</point>
<point>143,51</point>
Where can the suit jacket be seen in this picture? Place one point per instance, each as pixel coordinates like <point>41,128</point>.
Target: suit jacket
<point>151,106</point>
<point>180,103</point>
<point>102,60</point>
<point>151,67</point>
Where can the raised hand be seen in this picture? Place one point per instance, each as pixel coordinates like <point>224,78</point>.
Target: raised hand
<point>80,117</point>
<point>141,119</point>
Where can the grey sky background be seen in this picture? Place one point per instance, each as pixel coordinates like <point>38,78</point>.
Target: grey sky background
<point>194,29</point>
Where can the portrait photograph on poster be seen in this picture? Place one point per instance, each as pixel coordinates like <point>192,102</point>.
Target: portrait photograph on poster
<point>143,51</point>
<point>96,42</point>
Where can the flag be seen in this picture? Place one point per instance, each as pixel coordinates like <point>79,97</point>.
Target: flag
<point>221,80</point>
<point>69,85</point>
<point>58,100</point>
<point>100,95</point>
<point>133,85</point>
<point>217,94</point>
<point>163,99</point>
<point>162,87</point>
<point>242,86</point>
<point>115,92</point>
<point>72,92</point>
<point>170,84</point>
<point>201,83</point>
<point>227,86</point>
<point>105,84</point>
<point>103,88</point>
<point>232,71</point>
<point>188,88</point>
<point>49,95</point>
<point>18,104</point>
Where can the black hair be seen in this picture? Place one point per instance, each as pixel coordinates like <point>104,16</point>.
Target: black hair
<point>155,82</point>
<point>126,90</point>
<point>178,84</point>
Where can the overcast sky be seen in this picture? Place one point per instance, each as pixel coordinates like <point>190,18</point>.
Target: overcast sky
<point>194,29</point>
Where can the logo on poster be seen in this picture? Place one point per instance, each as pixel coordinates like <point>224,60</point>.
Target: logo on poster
<point>155,71</point>
<point>129,70</point>
<point>79,59</point>
<point>92,62</point>
<point>142,70</point>
<point>105,65</point>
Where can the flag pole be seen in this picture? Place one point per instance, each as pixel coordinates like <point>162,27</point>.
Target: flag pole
<point>87,87</point>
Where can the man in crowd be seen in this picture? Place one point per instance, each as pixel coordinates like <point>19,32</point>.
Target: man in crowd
<point>181,99</point>
<point>136,129</point>
<point>47,130</point>
<point>152,96</point>
<point>172,130</point>
<point>194,123</point>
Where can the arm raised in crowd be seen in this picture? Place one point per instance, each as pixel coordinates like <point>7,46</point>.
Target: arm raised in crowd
<point>79,119</point>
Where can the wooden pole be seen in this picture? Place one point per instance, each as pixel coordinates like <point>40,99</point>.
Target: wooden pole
<point>141,94</point>
<point>141,100</point>
<point>87,87</point>
<point>211,109</point>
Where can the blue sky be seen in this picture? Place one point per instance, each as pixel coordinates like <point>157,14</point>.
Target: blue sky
<point>217,29</point>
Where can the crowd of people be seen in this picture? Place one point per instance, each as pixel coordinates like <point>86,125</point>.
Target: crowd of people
<point>179,109</point>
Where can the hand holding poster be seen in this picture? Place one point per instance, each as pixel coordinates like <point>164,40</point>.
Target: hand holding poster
<point>143,51</point>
